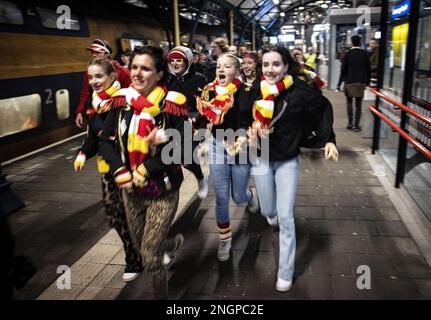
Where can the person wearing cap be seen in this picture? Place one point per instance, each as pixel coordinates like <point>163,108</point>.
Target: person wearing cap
<point>184,79</point>
<point>100,49</point>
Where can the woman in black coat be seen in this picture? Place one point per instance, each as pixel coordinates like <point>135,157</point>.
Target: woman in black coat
<point>286,110</point>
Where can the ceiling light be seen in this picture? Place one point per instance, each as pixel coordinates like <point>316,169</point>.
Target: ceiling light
<point>282,14</point>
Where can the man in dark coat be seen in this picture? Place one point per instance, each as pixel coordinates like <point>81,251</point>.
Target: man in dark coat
<point>356,72</point>
<point>373,49</point>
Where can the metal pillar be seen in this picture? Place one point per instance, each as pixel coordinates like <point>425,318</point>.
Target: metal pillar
<point>381,75</point>
<point>176,23</point>
<point>231,38</point>
<point>407,91</point>
<point>253,37</point>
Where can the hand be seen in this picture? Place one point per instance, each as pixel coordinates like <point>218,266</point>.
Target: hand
<point>157,136</point>
<point>79,120</point>
<point>230,148</point>
<point>79,161</point>
<point>123,178</point>
<point>331,152</point>
<point>253,137</point>
<point>139,180</point>
<point>239,143</point>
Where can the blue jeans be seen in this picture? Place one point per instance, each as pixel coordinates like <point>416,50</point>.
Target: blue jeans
<point>224,174</point>
<point>276,183</point>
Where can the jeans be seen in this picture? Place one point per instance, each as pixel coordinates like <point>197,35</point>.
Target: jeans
<point>276,183</point>
<point>358,110</point>
<point>224,175</point>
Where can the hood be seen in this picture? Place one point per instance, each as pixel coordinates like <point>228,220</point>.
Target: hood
<point>185,53</point>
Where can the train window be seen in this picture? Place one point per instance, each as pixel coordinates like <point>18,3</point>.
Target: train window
<point>10,13</point>
<point>20,114</point>
<point>63,20</point>
<point>62,99</point>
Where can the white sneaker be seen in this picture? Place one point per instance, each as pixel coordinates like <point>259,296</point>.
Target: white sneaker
<point>223,252</point>
<point>203,188</point>
<point>253,205</point>
<point>129,276</point>
<point>273,222</point>
<point>169,256</point>
<point>283,285</point>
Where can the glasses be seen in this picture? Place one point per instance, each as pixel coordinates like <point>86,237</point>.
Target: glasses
<point>177,60</point>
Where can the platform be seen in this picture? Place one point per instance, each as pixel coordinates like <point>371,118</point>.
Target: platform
<point>346,216</point>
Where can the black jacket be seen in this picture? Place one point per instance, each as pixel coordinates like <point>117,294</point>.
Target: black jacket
<point>190,85</point>
<point>306,121</point>
<point>110,149</point>
<point>356,66</point>
<point>90,145</point>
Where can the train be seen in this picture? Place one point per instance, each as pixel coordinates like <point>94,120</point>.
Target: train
<point>42,64</point>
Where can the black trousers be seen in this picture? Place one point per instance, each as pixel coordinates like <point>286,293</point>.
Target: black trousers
<point>194,167</point>
<point>117,219</point>
<point>358,110</point>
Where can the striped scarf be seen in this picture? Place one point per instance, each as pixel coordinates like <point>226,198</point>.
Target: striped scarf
<point>103,101</point>
<point>176,104</point>
<point>142,122</point>
<point>263,110</point>
<point>314,77</point>
<point>216,109</point>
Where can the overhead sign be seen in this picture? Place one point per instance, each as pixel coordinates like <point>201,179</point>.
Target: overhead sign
<point>401,9</point>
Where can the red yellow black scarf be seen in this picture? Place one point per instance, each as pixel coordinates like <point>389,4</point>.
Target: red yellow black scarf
<point>103,101</point>
<point>263,110</point>
<point>215,109</point>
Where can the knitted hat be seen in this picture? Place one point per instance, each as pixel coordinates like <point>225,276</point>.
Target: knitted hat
<point>181,52</point>
<point>177,54</point>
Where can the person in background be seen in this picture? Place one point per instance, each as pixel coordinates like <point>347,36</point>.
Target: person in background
<point>340,79</point>
<point>196,58</point>
<point>311,59</point>
<point>242,49</point>
<point>184,80</point>
<point>249,70</point>
<point>203,56</point>
<point>310,73</point>
<point>356,72</point>
<point>100,49</point>
<point>218,47</point>
<point>373,50</point>
<point>233,50</point>
<point>125,58</point>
